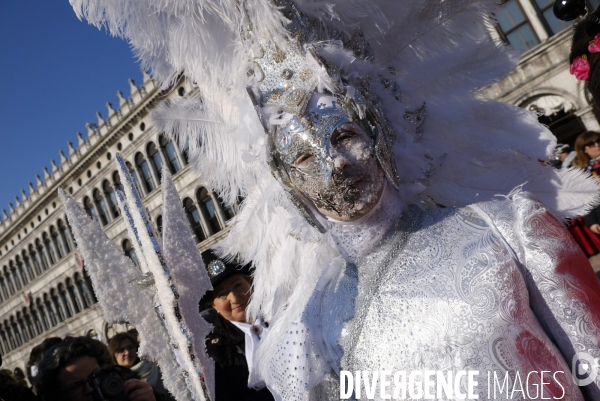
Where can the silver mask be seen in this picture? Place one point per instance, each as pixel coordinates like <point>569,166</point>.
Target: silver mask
<point>328,158</point>
<point>282,82</point>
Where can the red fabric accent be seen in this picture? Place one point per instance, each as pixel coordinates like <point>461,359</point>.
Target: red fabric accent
<point>587,240</point>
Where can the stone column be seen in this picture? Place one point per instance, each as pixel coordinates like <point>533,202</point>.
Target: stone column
<point>63,302</point>
<point>55,315</point>
<point>45,259</point>
<point>37,263</point>
<point>16,279</point>
<point>30,272</point>
<point>44,316</point>
<point>165,157</point>
<point>69,237</point>
<point>37,323</point>
<point>3,344</point>
<point>11,337</point>
<point>86,289</point>
<point>19,337</point>
<point>29,326</point>
<point>80,295</point>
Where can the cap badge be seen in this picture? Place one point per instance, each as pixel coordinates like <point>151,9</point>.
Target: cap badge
<point>215,268</point>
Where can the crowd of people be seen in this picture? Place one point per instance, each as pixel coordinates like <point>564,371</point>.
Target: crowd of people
<point>85,369</point>
<point>585,156</point>
<point>82,368</point>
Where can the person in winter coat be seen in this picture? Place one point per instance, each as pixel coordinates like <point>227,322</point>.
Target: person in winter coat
<point>587,147</point>
<point>233,341</point>
<point>123,349</point>
<point>67,370</point>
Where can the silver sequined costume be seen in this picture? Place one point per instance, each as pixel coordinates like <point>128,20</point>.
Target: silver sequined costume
<point>497,287</point>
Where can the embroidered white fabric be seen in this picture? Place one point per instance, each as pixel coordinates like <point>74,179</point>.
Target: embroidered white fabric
<point>490,287</point>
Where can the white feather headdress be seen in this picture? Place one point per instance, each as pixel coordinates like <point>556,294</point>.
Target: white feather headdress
<point>468,149</point>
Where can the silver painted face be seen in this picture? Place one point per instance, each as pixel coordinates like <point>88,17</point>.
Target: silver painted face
<point>330,160</point>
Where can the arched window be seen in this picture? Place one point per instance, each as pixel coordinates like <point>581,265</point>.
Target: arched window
<point>130,252</point>
<point>159,224</point>
<point>135,178</point>
<point>4,338</point>
<point>65,299</point>
<point>29,324</point>
<point>58,242</point>
<point>117,179</point>
<point>14,275</point>
<point>44,255</point>
<point>16,331</point>
<point>155,158</point>
<point>101,207</point>
<point>209,210</point>
<point>89,208</point>
<point>37,261</point>
<point>194,217</point>
<point>35,316</point>
<point>50,248</point>
<point>171,154</point>
<point>9,281</point>
<point>22,274</point>
<point>11,338</point>
<point>43,314</point>
<point>65,234</point>
<point>74,297</point>
<point>84,296</point>
<point>23,327</point>
<point>59,306</point>
<point>53,316</point>
<point>110,194</point>
<point>145,172</point>
<point>28,265</point>
<point>4,289</point>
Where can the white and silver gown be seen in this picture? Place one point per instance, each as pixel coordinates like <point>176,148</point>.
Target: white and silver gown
<point>497,286</point>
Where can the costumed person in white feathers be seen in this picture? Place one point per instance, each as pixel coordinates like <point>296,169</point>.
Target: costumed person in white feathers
<point>370,178</point>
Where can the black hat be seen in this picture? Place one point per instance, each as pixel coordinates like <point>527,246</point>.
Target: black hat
<point>219,270</point>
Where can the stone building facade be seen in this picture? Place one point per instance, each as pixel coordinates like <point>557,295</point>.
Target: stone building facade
<point>44,290</point>
<point>542,82</point>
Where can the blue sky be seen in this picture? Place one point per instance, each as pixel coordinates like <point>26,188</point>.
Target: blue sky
<point>55,72</point>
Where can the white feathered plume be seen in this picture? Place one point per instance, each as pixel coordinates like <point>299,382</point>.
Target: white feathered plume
<point>168,285</point>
